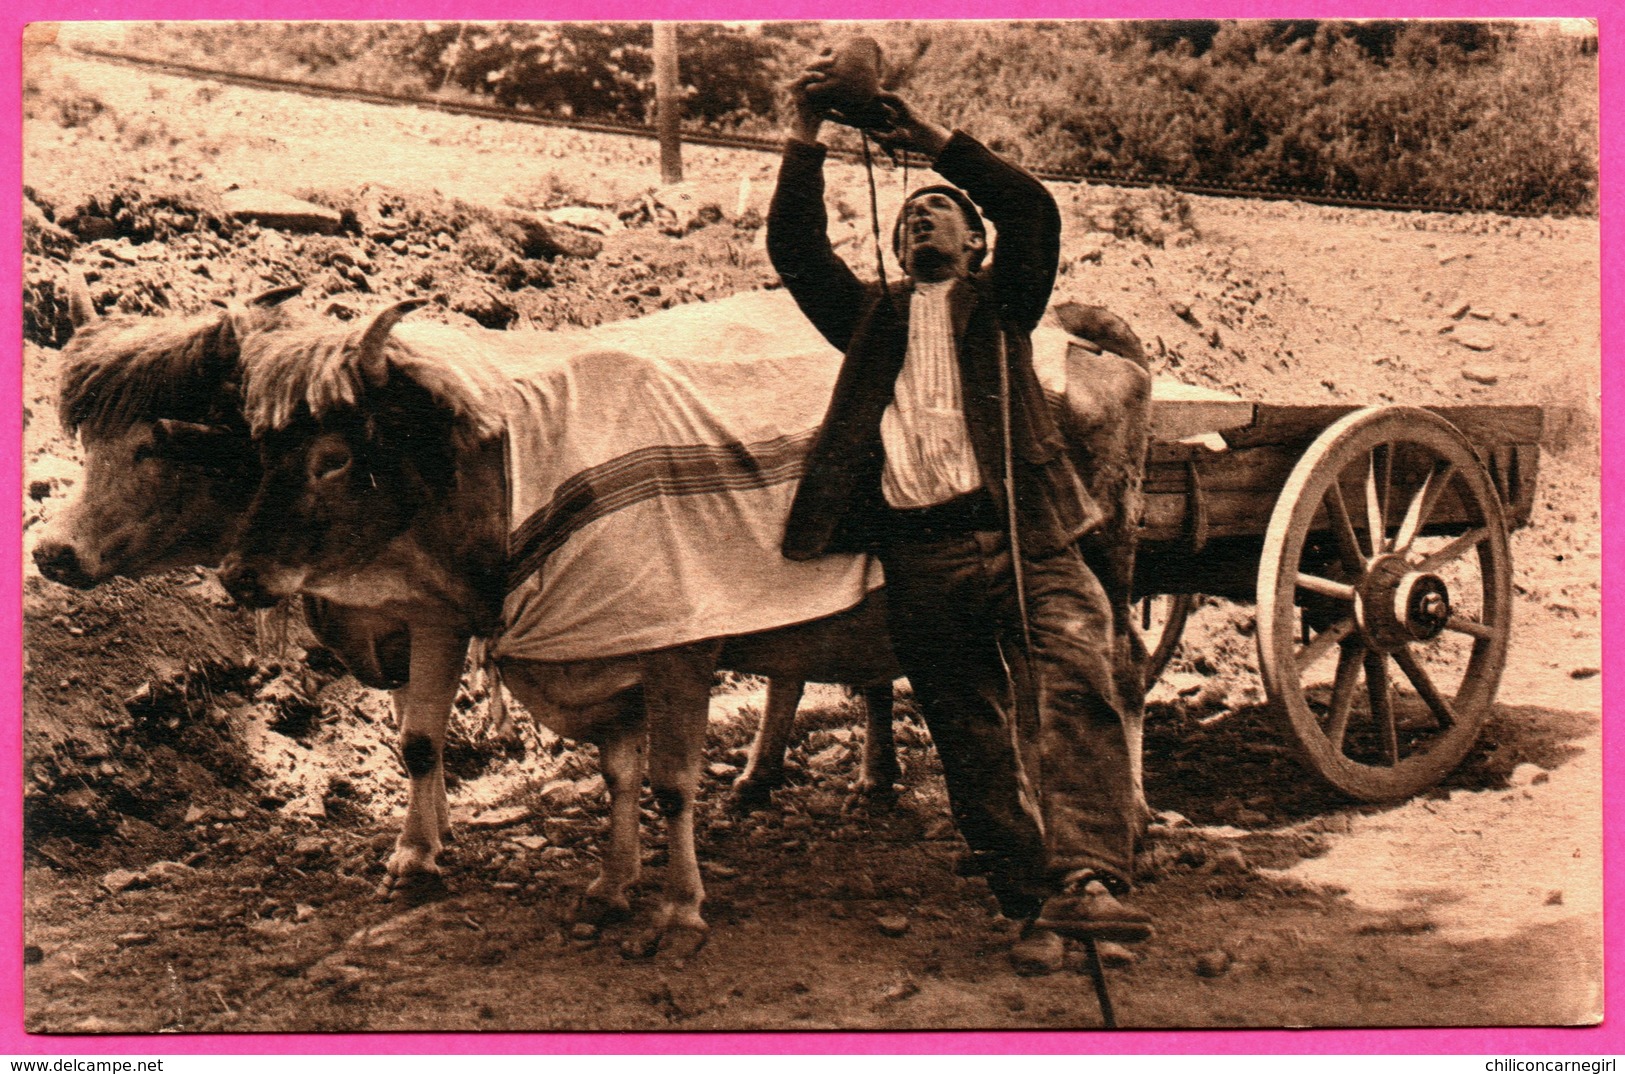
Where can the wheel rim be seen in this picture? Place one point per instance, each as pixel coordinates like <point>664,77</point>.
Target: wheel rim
<point>1160,619</point>
<point>1383,659</point>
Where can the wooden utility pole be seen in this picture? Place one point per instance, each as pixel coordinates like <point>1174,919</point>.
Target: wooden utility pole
<point>668,106</point>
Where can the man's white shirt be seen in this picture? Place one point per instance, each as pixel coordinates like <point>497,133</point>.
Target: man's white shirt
<point>929,459</point>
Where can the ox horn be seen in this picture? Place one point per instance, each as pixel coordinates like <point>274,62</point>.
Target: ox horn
<point>81,308</point>
<point>374,370</point>
<point>276,295</point>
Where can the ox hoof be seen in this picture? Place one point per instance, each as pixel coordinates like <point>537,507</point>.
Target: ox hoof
<point>414,889</point>
<point>680,915</point>
<point>681,943</point>
<point>598,911</point>
<point>882,778</point>
<point>644,945</point>
<point>749,796</point>
<point>881,792</point>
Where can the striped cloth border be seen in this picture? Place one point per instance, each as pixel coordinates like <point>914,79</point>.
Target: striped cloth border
<point>685,470</point>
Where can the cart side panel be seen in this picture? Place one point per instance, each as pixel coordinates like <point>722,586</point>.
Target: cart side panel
<point>1515,469</point>
<point>1201,502</point>
<point>1484,426</point>
<point>1235,490</point>
<point>1231,493</point>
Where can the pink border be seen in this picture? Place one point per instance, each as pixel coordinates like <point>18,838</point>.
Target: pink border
<point>1605,1039</point>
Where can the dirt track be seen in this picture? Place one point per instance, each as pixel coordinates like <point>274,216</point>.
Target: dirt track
<point>273,787</point>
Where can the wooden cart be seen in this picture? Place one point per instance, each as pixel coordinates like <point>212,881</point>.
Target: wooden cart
<point>1374,544</point>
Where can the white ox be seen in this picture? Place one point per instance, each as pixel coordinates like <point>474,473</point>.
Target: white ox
<point>397,480</point>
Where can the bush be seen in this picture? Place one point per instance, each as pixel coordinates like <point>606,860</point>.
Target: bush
<point>1493,115</point>
<point>601,70</point>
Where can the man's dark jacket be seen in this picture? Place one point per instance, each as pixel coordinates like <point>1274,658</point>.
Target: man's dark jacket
<point>839,506</point>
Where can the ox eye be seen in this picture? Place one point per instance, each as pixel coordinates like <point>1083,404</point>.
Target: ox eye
<point>330,461</point>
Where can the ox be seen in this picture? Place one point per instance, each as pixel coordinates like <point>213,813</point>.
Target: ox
<point>385,488</point>
<point>170,470</point>
<point>169,466</point>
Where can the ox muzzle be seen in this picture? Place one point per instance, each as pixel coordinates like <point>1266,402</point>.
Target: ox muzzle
<point>59,561</point>
<point>253,587</point>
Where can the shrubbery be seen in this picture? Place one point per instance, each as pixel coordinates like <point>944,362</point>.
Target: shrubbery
<point>1485,114</point>
<point>599,70</point>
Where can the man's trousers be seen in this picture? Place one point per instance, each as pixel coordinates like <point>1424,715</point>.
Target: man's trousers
<point>1039,794</point>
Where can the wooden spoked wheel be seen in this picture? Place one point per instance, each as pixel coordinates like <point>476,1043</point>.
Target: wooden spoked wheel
<point>1384,601</point>
<point>1160,619</point>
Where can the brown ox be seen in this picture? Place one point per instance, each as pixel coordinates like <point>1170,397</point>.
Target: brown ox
<point>384,488</point>
<point>170,470</point>
<point>169,466</point>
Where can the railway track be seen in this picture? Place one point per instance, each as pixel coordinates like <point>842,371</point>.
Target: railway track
<point>1257,191</point>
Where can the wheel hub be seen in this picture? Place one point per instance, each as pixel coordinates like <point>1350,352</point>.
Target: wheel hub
<point>1396,606</point>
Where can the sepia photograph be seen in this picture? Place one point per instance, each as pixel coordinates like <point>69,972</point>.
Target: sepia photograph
<point>695,527</point>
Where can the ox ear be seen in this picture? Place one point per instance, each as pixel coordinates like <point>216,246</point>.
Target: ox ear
<point>275,296</point>
<point>370,357</point>
<point>81,308</point>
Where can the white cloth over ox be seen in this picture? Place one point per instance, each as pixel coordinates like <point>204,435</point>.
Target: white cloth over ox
<point>651,465</point>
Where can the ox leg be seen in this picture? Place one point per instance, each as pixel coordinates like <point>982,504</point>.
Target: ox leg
<point>437,665</point>
<point>677,696</point>
<point>1132,661</point>
<point>880,767</point>
<point>764,771</point>
<point>437,793</point>
<point>621,757</point>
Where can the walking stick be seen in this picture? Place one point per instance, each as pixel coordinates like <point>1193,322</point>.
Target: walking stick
<point>1010,494</point>
<point>1107,1017</point>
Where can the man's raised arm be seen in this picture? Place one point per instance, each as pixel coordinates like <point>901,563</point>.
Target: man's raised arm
<point>798,226</point>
